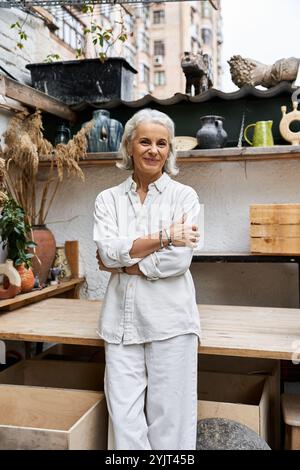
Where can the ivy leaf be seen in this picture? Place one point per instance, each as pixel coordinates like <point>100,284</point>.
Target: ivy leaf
<point>78,52</point>
<point>20,45</point>
<point>102,57</point>
<point>122,37</point>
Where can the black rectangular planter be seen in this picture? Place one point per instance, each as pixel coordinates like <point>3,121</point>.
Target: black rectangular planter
<point>84,81</point>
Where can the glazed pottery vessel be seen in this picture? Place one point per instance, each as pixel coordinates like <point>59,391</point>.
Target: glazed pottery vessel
<point>106,133</point>
<point>27,278</point>
<point>262,136</point>
<point>211,134</point>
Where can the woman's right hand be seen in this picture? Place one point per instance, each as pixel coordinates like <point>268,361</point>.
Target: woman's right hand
<point>183,234</point>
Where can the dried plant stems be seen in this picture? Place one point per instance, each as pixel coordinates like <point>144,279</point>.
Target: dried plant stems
<point>25,145</point>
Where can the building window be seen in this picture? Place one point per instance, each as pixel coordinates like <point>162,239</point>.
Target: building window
<point>143,42</point>
<point>194,46</point>
<point>158,16</point>
<point>206,9</point>
<point>193,13</point>
<point>105,10</point>
<point>159,48</point>
<point>70,29</point>
<point>206,35</point>
<point>145,74</point>
<point>159,78</point>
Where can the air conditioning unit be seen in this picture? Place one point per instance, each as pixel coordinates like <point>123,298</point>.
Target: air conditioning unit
<point>158,60</point>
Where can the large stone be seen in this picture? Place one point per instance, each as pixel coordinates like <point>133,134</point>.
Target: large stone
<point>225,434</point>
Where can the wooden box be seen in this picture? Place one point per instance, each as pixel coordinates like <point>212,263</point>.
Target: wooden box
<point>39,418</point>
<point>264,368</point>
<point>239,397</point>
<point>275,229</point>
<point>291,416</point>
<point>57,374</point>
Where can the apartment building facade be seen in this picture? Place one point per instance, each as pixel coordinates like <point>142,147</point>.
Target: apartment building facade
<point>179,27</point>
<point>158,35</point>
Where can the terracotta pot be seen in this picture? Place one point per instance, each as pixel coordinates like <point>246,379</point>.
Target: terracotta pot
<point>27,278</point>
<point>44,251</point>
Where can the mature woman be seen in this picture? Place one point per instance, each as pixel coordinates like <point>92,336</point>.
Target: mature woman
<point>145,230</point>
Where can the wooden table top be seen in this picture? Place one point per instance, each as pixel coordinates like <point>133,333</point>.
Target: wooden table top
<point>272,333</point>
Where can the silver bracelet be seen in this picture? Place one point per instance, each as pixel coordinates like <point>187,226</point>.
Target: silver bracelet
<point>161,239</point>
<point>170,242</point>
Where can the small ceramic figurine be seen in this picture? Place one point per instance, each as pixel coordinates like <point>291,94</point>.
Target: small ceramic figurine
<point>198,72</point>
<point>14,278</point>
<point>54,275</point>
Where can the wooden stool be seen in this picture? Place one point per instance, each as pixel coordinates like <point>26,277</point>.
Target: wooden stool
<point>291,414</point>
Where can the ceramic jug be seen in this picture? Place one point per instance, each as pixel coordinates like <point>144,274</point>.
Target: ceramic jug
<point>262,136</point>
<point>63,135</point>
<point>211,134</point>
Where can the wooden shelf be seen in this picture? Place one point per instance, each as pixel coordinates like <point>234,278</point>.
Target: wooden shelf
<point>245,257</point>
<point>232,154</point>
<point>35,296</point>
<point>32,98</point>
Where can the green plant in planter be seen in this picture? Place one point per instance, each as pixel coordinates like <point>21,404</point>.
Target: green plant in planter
<point>14,232</point>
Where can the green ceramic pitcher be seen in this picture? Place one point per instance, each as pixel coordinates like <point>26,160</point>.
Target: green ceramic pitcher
<point>262,136</point>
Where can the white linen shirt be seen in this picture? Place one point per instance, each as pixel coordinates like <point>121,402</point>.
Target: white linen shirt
<point>161,305</point>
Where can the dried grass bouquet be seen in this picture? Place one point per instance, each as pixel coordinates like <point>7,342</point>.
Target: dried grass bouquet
<point>25,146</point>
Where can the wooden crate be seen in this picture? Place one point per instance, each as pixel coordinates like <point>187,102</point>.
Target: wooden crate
<point>265,368</point>
<point>242,398</point>
<point>39,418</point>
<point>275,229</point>
<point>57,374</point>
<point>291,416</point>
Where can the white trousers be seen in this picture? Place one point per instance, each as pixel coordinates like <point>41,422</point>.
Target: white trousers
<point>151,394</point>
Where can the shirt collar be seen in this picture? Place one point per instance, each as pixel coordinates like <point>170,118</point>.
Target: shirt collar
<point>160,183</point>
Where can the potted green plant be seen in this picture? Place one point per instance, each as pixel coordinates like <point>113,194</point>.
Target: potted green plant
<point>15,235</point>
<point>24,147</point>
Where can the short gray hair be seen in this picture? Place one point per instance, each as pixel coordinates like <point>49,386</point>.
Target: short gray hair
<point>148,115</point>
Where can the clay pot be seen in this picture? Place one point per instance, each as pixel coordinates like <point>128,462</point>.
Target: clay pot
<point>44,251</point>
<point>27,278</point>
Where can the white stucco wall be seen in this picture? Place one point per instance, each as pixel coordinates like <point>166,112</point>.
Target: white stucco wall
<point>227,190</point>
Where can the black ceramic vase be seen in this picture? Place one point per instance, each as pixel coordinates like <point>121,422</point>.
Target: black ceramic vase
<point>211,134</point>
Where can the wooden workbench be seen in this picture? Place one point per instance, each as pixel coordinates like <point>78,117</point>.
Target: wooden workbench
<point>270,333</point>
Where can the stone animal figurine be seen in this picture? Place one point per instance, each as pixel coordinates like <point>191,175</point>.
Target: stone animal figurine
<point>250,72</point>
<point>197,69</point>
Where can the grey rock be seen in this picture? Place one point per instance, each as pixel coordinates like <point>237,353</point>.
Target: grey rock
<point>225,434</point>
